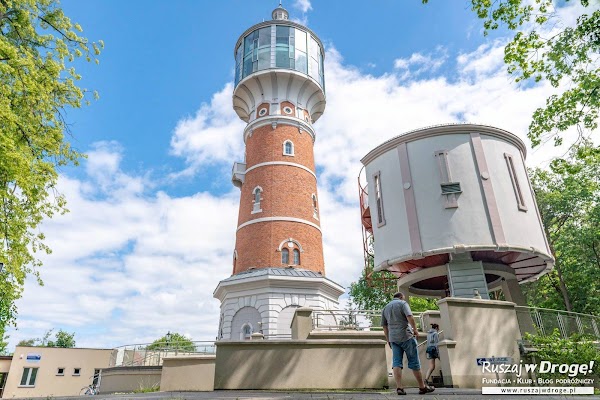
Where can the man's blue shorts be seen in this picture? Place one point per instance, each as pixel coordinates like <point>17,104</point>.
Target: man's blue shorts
<point>410,348</point>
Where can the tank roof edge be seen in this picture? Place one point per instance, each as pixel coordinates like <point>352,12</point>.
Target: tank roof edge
<point>441,129</point>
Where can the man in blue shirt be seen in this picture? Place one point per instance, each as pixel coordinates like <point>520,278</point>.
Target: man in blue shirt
<point>395,320</point>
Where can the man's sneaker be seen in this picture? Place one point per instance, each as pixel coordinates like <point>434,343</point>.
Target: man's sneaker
<point>426,389</point>
<point>400,392</point>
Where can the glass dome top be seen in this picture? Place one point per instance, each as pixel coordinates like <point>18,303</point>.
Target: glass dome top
<point>279,44</point>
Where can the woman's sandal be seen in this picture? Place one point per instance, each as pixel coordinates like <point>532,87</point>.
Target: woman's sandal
<point>400,392</point>
<point>426,389</point>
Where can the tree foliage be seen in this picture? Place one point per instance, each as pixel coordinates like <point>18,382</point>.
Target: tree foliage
<point>61,339</point>
<point>568,196</point>
<point>544,48</point>
<point>374,293</point>
<point>28,342</point>
<point>38,45</point>
<point>3,342</point>
<point>574,350</point>
<point>172,341</point>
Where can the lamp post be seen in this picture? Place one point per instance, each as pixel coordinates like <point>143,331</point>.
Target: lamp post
<point>168,337</point>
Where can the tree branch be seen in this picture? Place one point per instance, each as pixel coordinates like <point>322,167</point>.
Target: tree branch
<point>61,32</point>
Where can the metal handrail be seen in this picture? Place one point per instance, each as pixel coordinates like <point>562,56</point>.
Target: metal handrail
<point>558,311</point>
<point>139,354</point>
<point>567,322</point>
<point>359,320</point>
<point>420,344</point>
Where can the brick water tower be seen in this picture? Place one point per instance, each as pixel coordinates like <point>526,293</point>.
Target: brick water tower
<point>278,257</point>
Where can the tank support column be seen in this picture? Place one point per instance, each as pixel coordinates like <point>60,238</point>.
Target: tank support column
<point>512,292</point>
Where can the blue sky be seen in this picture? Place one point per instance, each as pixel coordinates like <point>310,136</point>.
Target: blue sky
<point>153,212</point>
<point>161,62</point>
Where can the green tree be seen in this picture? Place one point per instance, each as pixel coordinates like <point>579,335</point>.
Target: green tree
<point>28,342</point>
<point>574,350</point>
<point>568,196</point>
<point>38,83</point>
<point>3,343</point>
<point>543,49</point>
<point>172,341</point>
<point>62,339</point>
<point>373,291</point>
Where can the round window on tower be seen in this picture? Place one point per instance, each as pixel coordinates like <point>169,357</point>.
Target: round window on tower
<point>262,112</point>
<point>288,110</point>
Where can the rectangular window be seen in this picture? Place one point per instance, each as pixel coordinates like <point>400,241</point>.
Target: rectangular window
<point>282,35</point>
<point>255,52</point>
<point>264,58</point>
<point>442,157</point>
<point>249,43</point>
<point>28,377</point>
<point>96,377</point>
<point>379,199</point>
<point>300,40</point>
<point>60,372</point>
<point>450,189</point>
<point>76,371</point>
<point>264,37</point>
<point>282,57</point>
<point>515,182</point>
<point>301,62</point>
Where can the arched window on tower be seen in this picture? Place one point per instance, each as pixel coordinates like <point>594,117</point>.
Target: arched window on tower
<point>315,207</point>
<point>246,333</point>
<point>257,197</point>
<point>234,260</point>
<point>285,256</point>
<point>288,148</point>
<point>288,246</point>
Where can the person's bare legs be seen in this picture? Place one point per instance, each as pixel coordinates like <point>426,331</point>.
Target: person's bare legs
<point>431,369</point>
<point>419,378</point>
<point>398,377</point>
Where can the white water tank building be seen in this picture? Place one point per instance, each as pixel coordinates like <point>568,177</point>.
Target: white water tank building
<point>452,212</point>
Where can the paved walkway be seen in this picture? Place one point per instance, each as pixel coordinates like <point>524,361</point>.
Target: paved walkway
<point>439,394</point>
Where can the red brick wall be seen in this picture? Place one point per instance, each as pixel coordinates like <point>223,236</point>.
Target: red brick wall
<point>290,105</point>
<point>266,144</point>
<point>287,192</point>
<point>257,245</point>
<point>260,107</point>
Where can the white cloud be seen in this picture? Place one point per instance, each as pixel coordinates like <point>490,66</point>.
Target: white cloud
<point>419,63</point>
<point>129,268</point>
<point>211,135</point>
<point>303,5</point>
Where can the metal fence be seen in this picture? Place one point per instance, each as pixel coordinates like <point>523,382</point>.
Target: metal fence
<point>140,355</point>
<point>357,320</point>
<point>568,323</point>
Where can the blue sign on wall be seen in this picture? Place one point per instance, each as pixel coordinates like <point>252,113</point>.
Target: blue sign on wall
<point>495,360</point>
<point>33,358</point>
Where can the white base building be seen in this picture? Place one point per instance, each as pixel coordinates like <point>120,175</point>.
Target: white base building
<point>264,300</point>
